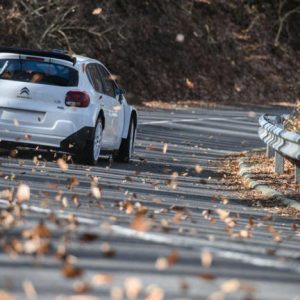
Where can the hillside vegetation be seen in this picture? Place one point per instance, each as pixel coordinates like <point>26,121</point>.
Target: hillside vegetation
<point>222,51</point>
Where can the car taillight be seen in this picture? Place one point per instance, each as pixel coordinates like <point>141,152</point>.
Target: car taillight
<point>77,99</point>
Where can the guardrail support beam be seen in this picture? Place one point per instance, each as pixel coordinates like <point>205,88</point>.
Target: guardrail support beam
<point>297,174</point>
<point>270,151</point>
<point>279,163</point>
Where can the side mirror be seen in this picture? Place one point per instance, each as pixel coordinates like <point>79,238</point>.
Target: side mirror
<point>120,93</point>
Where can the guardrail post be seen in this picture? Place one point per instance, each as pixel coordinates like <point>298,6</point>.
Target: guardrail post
<point>270,151</point>
<point>279,163</point>
<point>297,173</point>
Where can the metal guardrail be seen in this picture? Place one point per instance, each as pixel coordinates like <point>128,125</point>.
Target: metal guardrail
<point>282,143</point>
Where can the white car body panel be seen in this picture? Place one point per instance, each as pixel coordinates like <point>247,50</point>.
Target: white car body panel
<point>42,118</point>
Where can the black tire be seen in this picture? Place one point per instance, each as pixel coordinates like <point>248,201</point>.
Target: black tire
<point>126,149</point>
<point>87,155</point>
<point>8,149</point>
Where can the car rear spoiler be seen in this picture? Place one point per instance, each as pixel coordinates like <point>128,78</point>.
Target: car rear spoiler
<point>42,53</point>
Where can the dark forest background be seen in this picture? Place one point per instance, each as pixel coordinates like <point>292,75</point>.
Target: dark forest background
<point>222,51</point>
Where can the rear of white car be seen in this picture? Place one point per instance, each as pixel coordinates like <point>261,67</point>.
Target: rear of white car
<point>32,99</point>
<point>47,100</point>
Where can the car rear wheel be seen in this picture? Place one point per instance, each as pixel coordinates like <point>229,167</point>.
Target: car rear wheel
<point>91,152</point>
<point>126,150</point>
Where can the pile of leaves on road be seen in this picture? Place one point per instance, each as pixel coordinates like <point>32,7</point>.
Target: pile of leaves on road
<point>213,50</point>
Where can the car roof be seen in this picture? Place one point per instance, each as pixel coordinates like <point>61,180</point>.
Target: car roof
<point>55,54</point>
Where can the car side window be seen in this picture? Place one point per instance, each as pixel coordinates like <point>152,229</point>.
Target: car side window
<point>109,84</point>
<point>94,77</point>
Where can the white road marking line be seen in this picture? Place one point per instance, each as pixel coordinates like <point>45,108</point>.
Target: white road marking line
<point>174,241</point>
<point>187,120</point>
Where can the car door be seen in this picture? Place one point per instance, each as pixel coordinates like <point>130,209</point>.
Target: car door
<point>95,79</point>
<point>115,107</point>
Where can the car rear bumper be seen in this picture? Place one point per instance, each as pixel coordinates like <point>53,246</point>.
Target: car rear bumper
<point>51,138</point>
<point>36,134</point>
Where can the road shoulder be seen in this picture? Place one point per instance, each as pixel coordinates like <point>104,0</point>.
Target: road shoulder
<point>251,175</point>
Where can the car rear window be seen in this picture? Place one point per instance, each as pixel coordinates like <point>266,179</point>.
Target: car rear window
<point>38,72</point>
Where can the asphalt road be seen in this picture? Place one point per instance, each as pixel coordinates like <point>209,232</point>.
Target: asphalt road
<point>180,212</point>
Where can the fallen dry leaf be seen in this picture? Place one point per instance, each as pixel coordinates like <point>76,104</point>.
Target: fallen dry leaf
<point>35,160</point>
<point>73,182</point>
<point>165,148</point>
<point>150,147</point>
<point>275,234</point>
<point>224,200</point>
<point>184,286</point>
<point>244,233</point>
<point>223,214</point>
<point>172,258</point>
<point>62,164</point>
<point>140,223</point>
<point>36,246</point>
<point>41,231</point>
<point>64,202</point>
<point>61,252</point>
<point>189,83</point>
<point>75,200</point>
<point>95,192</point>
<point>218,295</point>
<point>206,259</point>
<point>23,193</point>
<point>154,293</point>
<point>161,263</point>
<point>78,297</point>
<point>70,271</point>
<point>81,287</point>
<point>6,296</point>
<point>198,169</point>
<point>101,279</point>
<point>116,293</point>
<point>7,194</point>
<point>29,289</point>
<point>16,123</point>
<point>107,250</point>
<point>233,285</point>
<point>252,114</point>
<point>97,11</point>
<point>207,276</point>
<point>88,237</point>
<point>133,287</point>
<point>230,286</point>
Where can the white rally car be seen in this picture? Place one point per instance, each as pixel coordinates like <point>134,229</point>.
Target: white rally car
<point>67,103</point>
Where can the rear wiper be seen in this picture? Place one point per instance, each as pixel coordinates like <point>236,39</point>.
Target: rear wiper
<point>3,68</point>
